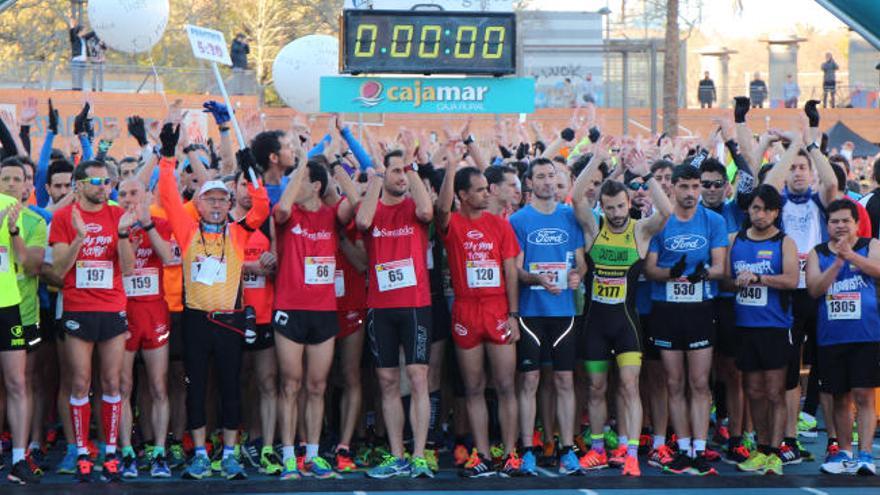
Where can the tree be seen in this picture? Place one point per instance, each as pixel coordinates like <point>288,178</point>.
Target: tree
<point>671,70</point>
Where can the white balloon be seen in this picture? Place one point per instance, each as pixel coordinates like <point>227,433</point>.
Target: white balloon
<point>130,26</point>
<point>298,68</point>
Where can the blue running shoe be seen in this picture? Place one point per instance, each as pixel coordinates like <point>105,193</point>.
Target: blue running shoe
<point>68,463</point>
<point>569,463</point>
<point>199,467</point>
<point>390,467</point>
<point>232,469</point>
<point>529,465</point>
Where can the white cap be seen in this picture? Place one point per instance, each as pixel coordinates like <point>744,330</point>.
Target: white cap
<point>212,185</point>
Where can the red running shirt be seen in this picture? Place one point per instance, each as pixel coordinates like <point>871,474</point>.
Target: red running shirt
<point>476,250</point>
<point>396,244</point>
<point>94,283</point>
<point>307,246</point>
<point>145,283</point>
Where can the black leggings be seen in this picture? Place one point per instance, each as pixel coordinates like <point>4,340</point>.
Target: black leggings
<point>201,340</point>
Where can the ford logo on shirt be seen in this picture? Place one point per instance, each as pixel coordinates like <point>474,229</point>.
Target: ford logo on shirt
<point>548,237</point>
<point>685,242</point>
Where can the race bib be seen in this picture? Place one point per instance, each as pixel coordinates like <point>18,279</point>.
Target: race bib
<point>4,259</point>
<point>484,273</point>
<point>339,283</point>
<point>802,270</point>
<point>395,275</point>
<point>609,290</point>
<point>320,270</point>
<point>143,282</point>
<point>253,281</point>
<point>558,273</point>
<point>844,306</point>
<point>753,295</point>
<point>208,271</point>
<point>681,290</point>
<point>94,274</point>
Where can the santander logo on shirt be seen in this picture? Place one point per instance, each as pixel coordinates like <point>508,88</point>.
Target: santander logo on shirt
<point>405,231</point>
<point>321,235</point>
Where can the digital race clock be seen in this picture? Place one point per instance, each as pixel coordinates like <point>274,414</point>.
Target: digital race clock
<point>427,42</point>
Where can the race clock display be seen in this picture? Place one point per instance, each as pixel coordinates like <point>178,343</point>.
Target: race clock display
<point>427,42</point>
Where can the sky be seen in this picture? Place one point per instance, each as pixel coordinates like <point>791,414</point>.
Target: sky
<point>758,16</point>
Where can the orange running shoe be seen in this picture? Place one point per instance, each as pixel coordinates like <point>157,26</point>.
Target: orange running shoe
<point>617,457</point>
<point>631,466</point>
<point>460,455</point>
<point>593,460</point>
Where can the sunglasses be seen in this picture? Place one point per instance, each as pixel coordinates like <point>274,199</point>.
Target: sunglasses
<point>709,184</point>
<point>635,186</point>
<point>96,181</point>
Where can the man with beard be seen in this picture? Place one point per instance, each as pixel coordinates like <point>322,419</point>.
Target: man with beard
<point>693,242</point>
<point>763,268</point>
<point>550,267</point>
<point>482,262</point>
<point>616,246</point>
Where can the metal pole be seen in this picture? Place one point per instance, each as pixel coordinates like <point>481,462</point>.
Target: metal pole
<point>238,134</point>
<point>624,91</point>
<point>653,55</point>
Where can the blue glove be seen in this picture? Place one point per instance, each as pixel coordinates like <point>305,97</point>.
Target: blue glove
<point>218,110</point>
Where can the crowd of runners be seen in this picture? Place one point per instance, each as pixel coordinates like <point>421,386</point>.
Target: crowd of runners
<point>510,303</point>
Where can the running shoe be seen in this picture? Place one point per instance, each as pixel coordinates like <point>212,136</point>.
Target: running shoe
<point>269,462</point>
<point>807,425</point>
<point>176,455</point>
<point>661,456</point>
<point>460,455</point>
<point>129,467</point>
<point>159,467</point>
<point>617,457</point>
<point>477,467</point>
<point>344,461</point>
<point>420,469</point>
<point>68,462</point>
<point>84,467</point>
<point>700,466</point>
<point>773,465</point>
<point>790,454</point>
<point>290,470</point>
<point>528,465</point>
<point>593,460</point>
<point>22,474</point>
<point>865,464</point>
<point>111,471</point>
<point>512,466</point>
<point>199,467</point>
<point>736,455</point>
<point>390,467</point>
<point>631,467</point>
<point>839,463</point>
<point>252,453</point>
<point>318,467</point>
<point>680,464</point>
<point>431,459</point>
<point>231,469</point>
<point>569,463</point>
<point>754,464</point>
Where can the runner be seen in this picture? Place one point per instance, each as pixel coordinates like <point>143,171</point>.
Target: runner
<point>212,250</point>
<point>842,274</point>
<point>550,265</point>
<point>684,261</point>
<point>763,268</point>
<point>482,251</point>
<point>304,319</point>
<point>15,253</point>
<point>149,326</point>
<point>616,246</point>
<point>91,250</point>
<point>399,301</point>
